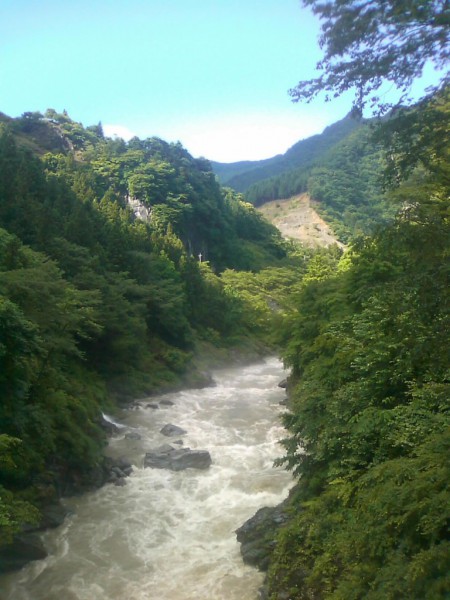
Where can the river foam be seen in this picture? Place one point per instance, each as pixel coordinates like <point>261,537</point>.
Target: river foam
<point>170,535</point>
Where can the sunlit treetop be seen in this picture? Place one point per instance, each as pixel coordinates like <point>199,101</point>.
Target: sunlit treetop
<point>369,42</point>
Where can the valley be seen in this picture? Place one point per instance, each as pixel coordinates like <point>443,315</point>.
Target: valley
<point>102,309</point>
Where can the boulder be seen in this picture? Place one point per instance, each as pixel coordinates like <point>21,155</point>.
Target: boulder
<point>120,481</point>
<point>166,402</point>
<point>283,384</point>
<point>177,459</point>
<point>116,469</point>
<point>133,435</point>
<point>25,547</point>
<point>170,430</point>
<point>257,535</point>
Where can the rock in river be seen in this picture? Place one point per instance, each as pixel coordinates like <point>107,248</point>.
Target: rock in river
<point>170,430</point>
<point>177,459</point>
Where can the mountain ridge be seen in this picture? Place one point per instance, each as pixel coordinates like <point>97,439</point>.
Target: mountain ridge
<point>242,174</point>
<point>341,169</point>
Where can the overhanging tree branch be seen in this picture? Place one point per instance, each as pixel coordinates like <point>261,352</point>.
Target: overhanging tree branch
<point>369,42</point>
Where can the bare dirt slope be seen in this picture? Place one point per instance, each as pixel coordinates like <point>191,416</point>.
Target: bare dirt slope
<point>297,219</point>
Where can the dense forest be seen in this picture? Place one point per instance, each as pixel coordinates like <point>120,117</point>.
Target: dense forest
<point>341,169</point>
<point>368,341</point>
<point>369,421</point>
<point>98,306</point>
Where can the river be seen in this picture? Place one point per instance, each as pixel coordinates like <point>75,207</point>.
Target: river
<point>170,535</point>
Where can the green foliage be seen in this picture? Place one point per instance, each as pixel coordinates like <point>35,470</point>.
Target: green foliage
<point>95,304</point>
<point>241,176</point>
<point>418,136</point>
<point>258,295</point>
<point>13,514</point>
<point>366,45</point>
<point>369,422</point>
<point>47,416</point>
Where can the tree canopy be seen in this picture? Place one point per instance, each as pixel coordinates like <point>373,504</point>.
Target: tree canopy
<point>368,422</point>
<point>96,305</point>
<point>367,43</point>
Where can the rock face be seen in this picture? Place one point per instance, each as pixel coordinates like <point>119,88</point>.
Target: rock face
<point>139,209</point>
<point>257,535</point>
<point>53,515</point>
<point>177,459</point>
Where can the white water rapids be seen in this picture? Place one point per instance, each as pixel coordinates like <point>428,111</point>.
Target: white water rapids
<point>170,535</point>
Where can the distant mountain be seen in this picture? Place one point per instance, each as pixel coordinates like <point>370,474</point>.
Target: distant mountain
<point>340,169</point>
<point>241,175</point>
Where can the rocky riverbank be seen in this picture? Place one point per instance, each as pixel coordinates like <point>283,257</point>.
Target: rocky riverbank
<point>258,535</point>
<point>27,546</point>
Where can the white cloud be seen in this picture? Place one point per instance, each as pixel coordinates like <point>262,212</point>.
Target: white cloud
<point>253,137</point>
<point>118,131</point>
<point>234,137</point>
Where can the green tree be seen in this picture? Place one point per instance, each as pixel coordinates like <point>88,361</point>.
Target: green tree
<point>96,304</point>
<point>369,420</point>
<point>368,43</point>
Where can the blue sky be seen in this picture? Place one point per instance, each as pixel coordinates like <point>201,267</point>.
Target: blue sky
<point>212,74</point>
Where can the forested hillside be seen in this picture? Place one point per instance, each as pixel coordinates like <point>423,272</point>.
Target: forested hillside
<point>98,306</point>
<point>369,421</point>
<point>341,169</point>
<point>368,343</point>
<point>346,182</point>
<point>241,175</point>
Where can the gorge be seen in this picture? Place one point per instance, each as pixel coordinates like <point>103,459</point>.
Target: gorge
<point>98,307</point>
<point>171,535</point>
